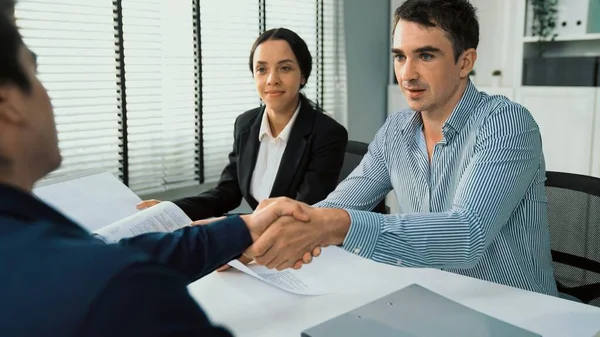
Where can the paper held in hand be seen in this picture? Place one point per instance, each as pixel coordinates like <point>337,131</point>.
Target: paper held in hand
<point>91,199</point>
<point>163,217</point>
<point>106,207</point>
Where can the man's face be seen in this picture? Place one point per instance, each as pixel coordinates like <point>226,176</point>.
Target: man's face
<point>425,67</point>
<point>38,135</point>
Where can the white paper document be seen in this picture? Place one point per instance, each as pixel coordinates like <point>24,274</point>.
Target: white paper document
<point>295,281</point>
<point>103,205</point>
<point>163,217</point>
<point>91,199</point>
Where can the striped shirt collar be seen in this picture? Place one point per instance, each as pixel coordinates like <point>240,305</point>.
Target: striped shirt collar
<point>459,116</point>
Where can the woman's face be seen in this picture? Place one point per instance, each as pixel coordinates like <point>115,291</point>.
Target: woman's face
<point>277,75</point>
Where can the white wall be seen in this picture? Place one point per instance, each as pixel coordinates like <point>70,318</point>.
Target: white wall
<point>496,41</point>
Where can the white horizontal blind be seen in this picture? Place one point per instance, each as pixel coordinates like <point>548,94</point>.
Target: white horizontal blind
<point>159,78</point>
<point>334,61</point>
<point>228,30</point>
<point>299,16</point>
<point>74,41</point>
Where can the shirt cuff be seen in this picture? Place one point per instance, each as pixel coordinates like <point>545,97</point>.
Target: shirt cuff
<point>365,229</point>
<point>233,232</point>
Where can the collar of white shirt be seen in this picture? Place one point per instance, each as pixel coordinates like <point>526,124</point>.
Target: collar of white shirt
<point>284,135</point>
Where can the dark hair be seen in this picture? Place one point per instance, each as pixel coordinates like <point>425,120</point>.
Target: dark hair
<point>11,69</point>
<point>457,17</point>
<point>7,7</point>
<point>299,48</point>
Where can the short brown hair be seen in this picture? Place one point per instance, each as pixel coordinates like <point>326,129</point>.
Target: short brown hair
<point>458,18</point>
<point>7,7</point>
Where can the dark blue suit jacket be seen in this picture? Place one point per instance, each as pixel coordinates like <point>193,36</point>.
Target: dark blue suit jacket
<point>57,280</point>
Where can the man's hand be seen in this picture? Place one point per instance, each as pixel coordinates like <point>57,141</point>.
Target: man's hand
<point>286,240</point>
<point>206,221</point>
<point>269,211</point>
<point>147,203</point>
<point>264,216</point>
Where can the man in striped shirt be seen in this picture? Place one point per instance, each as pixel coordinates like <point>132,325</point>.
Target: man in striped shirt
<point>467,169</point>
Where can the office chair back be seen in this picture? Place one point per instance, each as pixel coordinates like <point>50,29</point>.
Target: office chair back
<point>574,219</point>
<point>355,151</point>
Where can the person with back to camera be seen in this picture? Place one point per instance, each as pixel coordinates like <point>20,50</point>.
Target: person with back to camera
<point>57,279</point>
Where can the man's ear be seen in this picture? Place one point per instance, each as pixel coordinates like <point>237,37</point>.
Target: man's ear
<point>468,62</point>
<point>11,105</point>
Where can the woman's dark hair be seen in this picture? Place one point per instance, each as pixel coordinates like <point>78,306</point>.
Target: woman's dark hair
<point>11,69</point>
<point>300,50</point>
<point>457,17</point>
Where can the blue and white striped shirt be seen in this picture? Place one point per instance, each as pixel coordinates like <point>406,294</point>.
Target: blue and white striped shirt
<point>479,208</point>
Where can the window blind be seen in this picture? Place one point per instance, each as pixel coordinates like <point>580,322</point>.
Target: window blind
<point>301,17</point>
<point>74,41</point>
<point>158,40</point>
<point>80,56</point>
<point>334,61</point>
<point>227,32</point>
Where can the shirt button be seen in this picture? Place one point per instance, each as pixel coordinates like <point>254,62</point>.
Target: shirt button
<point>399,262</point>
<point>356,250</point>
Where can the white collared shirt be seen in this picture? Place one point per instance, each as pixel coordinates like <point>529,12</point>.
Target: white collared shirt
<point>269,157</point>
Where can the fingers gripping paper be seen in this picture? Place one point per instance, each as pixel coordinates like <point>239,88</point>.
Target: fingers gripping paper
<point>164,217</point>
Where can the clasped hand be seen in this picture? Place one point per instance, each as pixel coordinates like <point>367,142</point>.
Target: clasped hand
<point>286,233</point>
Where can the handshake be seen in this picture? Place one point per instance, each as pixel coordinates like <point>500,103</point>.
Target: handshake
<point>287,233</point>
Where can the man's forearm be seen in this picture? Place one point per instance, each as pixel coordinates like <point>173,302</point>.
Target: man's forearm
<point>198,250</point>
<point>419,239</point>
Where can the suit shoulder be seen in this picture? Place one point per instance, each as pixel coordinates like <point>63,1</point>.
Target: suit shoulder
<point>327,123</point>
<point>248,117</point>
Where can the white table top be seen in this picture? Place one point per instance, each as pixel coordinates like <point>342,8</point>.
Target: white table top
<point>250,307</point>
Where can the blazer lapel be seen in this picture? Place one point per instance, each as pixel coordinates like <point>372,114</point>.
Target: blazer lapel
<point>294,151</point>
<point>248,152</point>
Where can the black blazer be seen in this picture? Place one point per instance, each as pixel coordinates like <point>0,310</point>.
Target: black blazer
<point>308,172</point>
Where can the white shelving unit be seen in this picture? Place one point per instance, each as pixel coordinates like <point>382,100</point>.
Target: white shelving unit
<point>565,38</point>
<point>568,117</point>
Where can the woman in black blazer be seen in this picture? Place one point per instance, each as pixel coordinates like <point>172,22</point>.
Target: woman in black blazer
<point>287,147</point>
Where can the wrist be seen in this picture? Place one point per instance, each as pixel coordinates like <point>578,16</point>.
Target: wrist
<point>247,218</point>
<point>336,223</point>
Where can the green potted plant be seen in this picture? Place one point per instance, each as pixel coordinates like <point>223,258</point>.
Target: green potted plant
<point>544,21</point>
